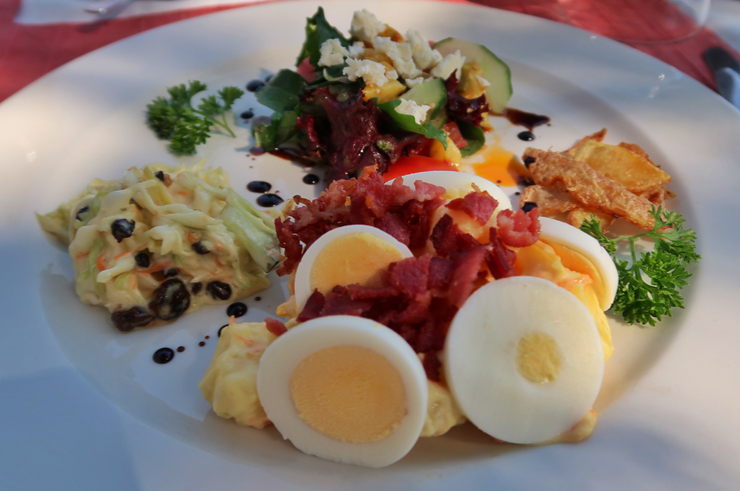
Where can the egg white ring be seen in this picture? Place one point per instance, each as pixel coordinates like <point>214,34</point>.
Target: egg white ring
<point>303,274</point>
<point>459,180</point>
<point>480,359</point>
<point>287,351</point>
<point>576,239</point>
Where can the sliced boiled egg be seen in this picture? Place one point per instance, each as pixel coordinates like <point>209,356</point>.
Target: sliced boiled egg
<point>582,253</point>
<point>346,389</point>
<point>344,256</point>
<point>523,359</point>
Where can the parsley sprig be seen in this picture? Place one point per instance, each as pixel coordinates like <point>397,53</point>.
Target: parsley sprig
<point>175,119</point>
<point>650,284</point>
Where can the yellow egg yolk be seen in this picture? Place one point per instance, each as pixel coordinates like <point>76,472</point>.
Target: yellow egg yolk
<point>538,358</point>
<point>352,258</point>
<point>498,165</point>
<point>575,261</point>
<point>541,260</point>
<point>349,393</point>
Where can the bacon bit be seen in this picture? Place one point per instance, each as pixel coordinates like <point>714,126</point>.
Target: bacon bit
<point>359,292</point>
<point>100,263</point>
<point>519,229</point>
<point>410,276</point>
<point>453,131</point>
<point>500,260</point>
<point>476,204</point>
<point>440,273</point>
<point>191,237</point>
<point>82,254</point>
<point>338,302</point>
<point>467,266</point>
<point>313,308</point>
<point>431,366</point>
<point>448,238</point>
<point>122,254</point>
<point>154,268</point>
<point>275,326</point>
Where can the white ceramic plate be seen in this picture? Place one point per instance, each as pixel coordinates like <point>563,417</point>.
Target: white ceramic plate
<point>84,407</point>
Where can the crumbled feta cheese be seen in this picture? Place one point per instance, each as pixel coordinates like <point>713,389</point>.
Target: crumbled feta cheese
<point>371,71</point>
<point>413,109</point>
<point>332,53</point>
<point>365,25</point>
<point>391,74</point>
<point>450,63</point>
<point>356,49</point>
<point>413,82</point>
<point>400,54</point>
<point>483,82</point>
<point>424,56</point>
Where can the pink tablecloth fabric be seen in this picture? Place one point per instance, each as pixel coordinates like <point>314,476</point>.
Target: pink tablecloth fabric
<point>29,51</point>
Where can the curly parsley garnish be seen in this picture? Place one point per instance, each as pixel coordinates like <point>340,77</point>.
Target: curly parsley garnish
<point>650,285</point>
<point>175,119</point>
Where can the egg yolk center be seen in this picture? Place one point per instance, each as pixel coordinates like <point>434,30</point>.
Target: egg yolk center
<point>538,358</point>
<point>352,258</point>
<point>349,393</point>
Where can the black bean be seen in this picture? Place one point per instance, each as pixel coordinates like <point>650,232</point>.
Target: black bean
<point>196,288</point>
<point>526,136</point>
<point>171,300</point>
<point>159,175</point>
<point>219,290</point>
<point>247,114</point>
<point>126,320</point>
<point>143,260</point>
<point>528,161</point>
<point>237,309</point>
<point>200,248</point>
<point>122,228</point>
<point>529,206</point>
<point>169,273</point>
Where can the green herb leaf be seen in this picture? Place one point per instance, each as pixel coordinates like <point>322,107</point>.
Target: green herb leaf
<point>650,285</point>
<point>407,122</point>
<point>282,92</point>
<point>473,135</point>
<point>318,30</point>
<point>176,120</point>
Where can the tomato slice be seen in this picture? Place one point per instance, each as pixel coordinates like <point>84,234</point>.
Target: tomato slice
<point>416,163</point>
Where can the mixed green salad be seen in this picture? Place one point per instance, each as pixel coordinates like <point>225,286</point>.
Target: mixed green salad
<point>163,241</point>
<point>378,95</point>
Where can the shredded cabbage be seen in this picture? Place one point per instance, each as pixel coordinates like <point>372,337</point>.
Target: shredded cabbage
<point>188,225</point>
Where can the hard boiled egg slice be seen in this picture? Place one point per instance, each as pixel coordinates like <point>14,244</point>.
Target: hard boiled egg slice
<point>345,388</point>
<point>458,184</point>
<point>582,253</point>
<point>523,359</point>
<point>343,256</point>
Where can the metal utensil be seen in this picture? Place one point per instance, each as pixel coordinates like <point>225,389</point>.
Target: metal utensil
<point>102,7</point>
<point>726,71</point>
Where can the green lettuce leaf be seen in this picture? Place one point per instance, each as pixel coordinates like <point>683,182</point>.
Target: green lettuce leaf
<point>407,122</point>
<point>473,135</point>
<point>318,30</point>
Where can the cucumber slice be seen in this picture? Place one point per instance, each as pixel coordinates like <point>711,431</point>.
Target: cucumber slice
<point>494,70</point>
<point>432,93</point>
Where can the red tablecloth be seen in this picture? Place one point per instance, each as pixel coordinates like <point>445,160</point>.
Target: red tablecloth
<point>28,52</point>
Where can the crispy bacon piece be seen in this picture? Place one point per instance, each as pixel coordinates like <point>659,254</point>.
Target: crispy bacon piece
<point>589,187</point>
<point>431,366</point>
<point>476,204</point>
<point>448,238</point>
<point>500,259</point>
<point>275,326</point>
<point>398,209</point>
<point>410,276</point>
<point>313,308</point>
<point>519,229</point>
<point>467,265</point>
<point>549,199</point>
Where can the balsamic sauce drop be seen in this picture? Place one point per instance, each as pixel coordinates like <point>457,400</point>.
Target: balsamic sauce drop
<point>523,118</point>
<point>163,355</point>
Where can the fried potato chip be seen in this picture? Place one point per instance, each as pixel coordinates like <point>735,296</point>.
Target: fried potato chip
<point>598,137</point>
<point>549,199</point>
<point>589,187</point>
<point>578,215</point>
<point>626,164</point>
